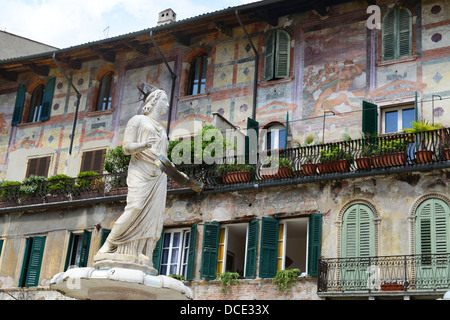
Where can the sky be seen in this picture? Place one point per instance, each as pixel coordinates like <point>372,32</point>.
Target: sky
<point>65,23</point>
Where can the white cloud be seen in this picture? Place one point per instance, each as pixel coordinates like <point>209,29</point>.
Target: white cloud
<point>65,23</point>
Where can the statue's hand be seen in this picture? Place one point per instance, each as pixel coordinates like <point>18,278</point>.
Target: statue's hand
<point>150,142</point>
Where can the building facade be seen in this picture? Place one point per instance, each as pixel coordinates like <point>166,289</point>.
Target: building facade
<point>322,86</point>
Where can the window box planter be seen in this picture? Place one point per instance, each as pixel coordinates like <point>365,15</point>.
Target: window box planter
<point>364,163</point>
<point>309,169</point>
<point>334,160</point>
<point>341,165</point>
<point>236,177</point>
<point>392,287</point>
<point>276,173</point>
<point>389,160</point>
<point>424,156</point>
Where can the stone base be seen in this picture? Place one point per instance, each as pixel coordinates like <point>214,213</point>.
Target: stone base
<point>118,283</point>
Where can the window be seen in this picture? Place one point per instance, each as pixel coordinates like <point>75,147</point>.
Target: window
<point>397,34</point>
<point>93,161</point>
<point>358,233</point>
<point>32,260</point>
<point>197,78</point>
<point>36,104</point>
<point>39,106</point>
<point>275,137</point>
<point>38,167</point>
<point>1,247</point>
<point>277,55</point>
<point>396,119</point>
<point>78,249</point>
<point>175,252</point>
<point>229,248</point>
<point>292,244</point>
<point>104,99</point>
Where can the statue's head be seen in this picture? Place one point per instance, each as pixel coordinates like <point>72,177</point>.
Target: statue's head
<point>151,100</point>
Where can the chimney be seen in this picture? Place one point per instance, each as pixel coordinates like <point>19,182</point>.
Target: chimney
<point>166,16</point>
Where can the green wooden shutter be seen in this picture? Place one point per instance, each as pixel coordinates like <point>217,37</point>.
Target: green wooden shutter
<point>18,107</point>
<point>433,227</point>
<point>210,249</point>
<point>369,119</point>
<point>31,268</point>
<point>282,59</point>
<point>404,32</point>
<point>69,251</point>
<point>269,57</point>
<point>269,248</point>
<point>47,99</point>
<point>252,245</point>
<point>388,36</point>
<point>158,251</point>
<point>191,253</point>
<point>85,244</point>
<point>358,232</point>
<point>104,236</point>
<point>314,243</point>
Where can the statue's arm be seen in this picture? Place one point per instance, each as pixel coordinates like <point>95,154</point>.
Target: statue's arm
<point>131,146</point>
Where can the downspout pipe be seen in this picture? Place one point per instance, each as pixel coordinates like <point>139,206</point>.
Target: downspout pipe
<point>255,80</point>
<point>77,104</point>
<point>174,77</point>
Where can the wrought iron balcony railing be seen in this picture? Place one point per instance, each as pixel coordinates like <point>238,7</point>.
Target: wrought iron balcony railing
<point>388,273</point>
<point>344,159</point>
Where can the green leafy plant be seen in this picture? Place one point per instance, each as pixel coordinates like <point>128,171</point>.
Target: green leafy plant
<point>177,277</point>
<point>284,279</point>
<point>224,168</point>
<point>60,184</point>
<point>116,161</point>
<point>276,162</point>
<point>335,153</point>
<point>88,181</point>
<point>227,280</point>
<point>422,126</point>
<point>391,146</point>
<point>9,190</point>
<point>31,185</point>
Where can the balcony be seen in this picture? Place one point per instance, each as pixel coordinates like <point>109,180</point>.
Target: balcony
<point>412,274</point>
<point>420,151</point>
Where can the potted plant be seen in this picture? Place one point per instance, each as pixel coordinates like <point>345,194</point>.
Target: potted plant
<point>32,190</point>
<point>116,163</point>
<point>9,193</point>
<point>334,159</point>
<point>309,166</point>
<point>59,187</point>
<point>390,153</point>
<point>89,185</point>
<point>275,167</point>
<point>235,173</point>
<point>364,158</point>
<point>423,139</point>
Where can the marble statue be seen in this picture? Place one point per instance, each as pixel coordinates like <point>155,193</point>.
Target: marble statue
<point>136,232</point>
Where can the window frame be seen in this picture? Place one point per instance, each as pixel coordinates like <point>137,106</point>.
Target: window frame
<point>38,172</point>
<point>273,130</point>
<point>183,255</point>
<point>83,244</point>
<point>107,93</point>
<point>274,54</point>
<point>85,167</point>
<point>387,109</point>
<point>396,31</point>
<point>199,76</point>
<point>36,104</point>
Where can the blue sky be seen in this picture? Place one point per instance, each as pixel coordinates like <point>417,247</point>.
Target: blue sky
<point>65,23</point>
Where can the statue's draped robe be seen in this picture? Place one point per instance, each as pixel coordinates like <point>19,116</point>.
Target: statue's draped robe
<point>142,219</point>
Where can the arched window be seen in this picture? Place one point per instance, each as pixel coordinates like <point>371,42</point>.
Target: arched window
<point>397,34</point>
<point>197,76</point>
<point>433,227</point>
<point>36,104</point>
<point>358,232</point>
<point>277,55</point>
<point>105,92</point>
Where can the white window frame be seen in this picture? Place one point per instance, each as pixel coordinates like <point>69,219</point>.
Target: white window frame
<point>275,135</point>
<point>183,251</point>
<point>225,246</point>
<point>397,108</point>
<point>286,222</point>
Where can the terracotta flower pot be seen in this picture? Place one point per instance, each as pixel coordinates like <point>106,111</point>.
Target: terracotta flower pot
<point>236,177</point>
<point>363,163</point>
<point>309,169</point>
<point>276,173</point>
<point>389,160</point>
<point>391,287</point>
<point>424,156</point>
<point>341,165</point>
